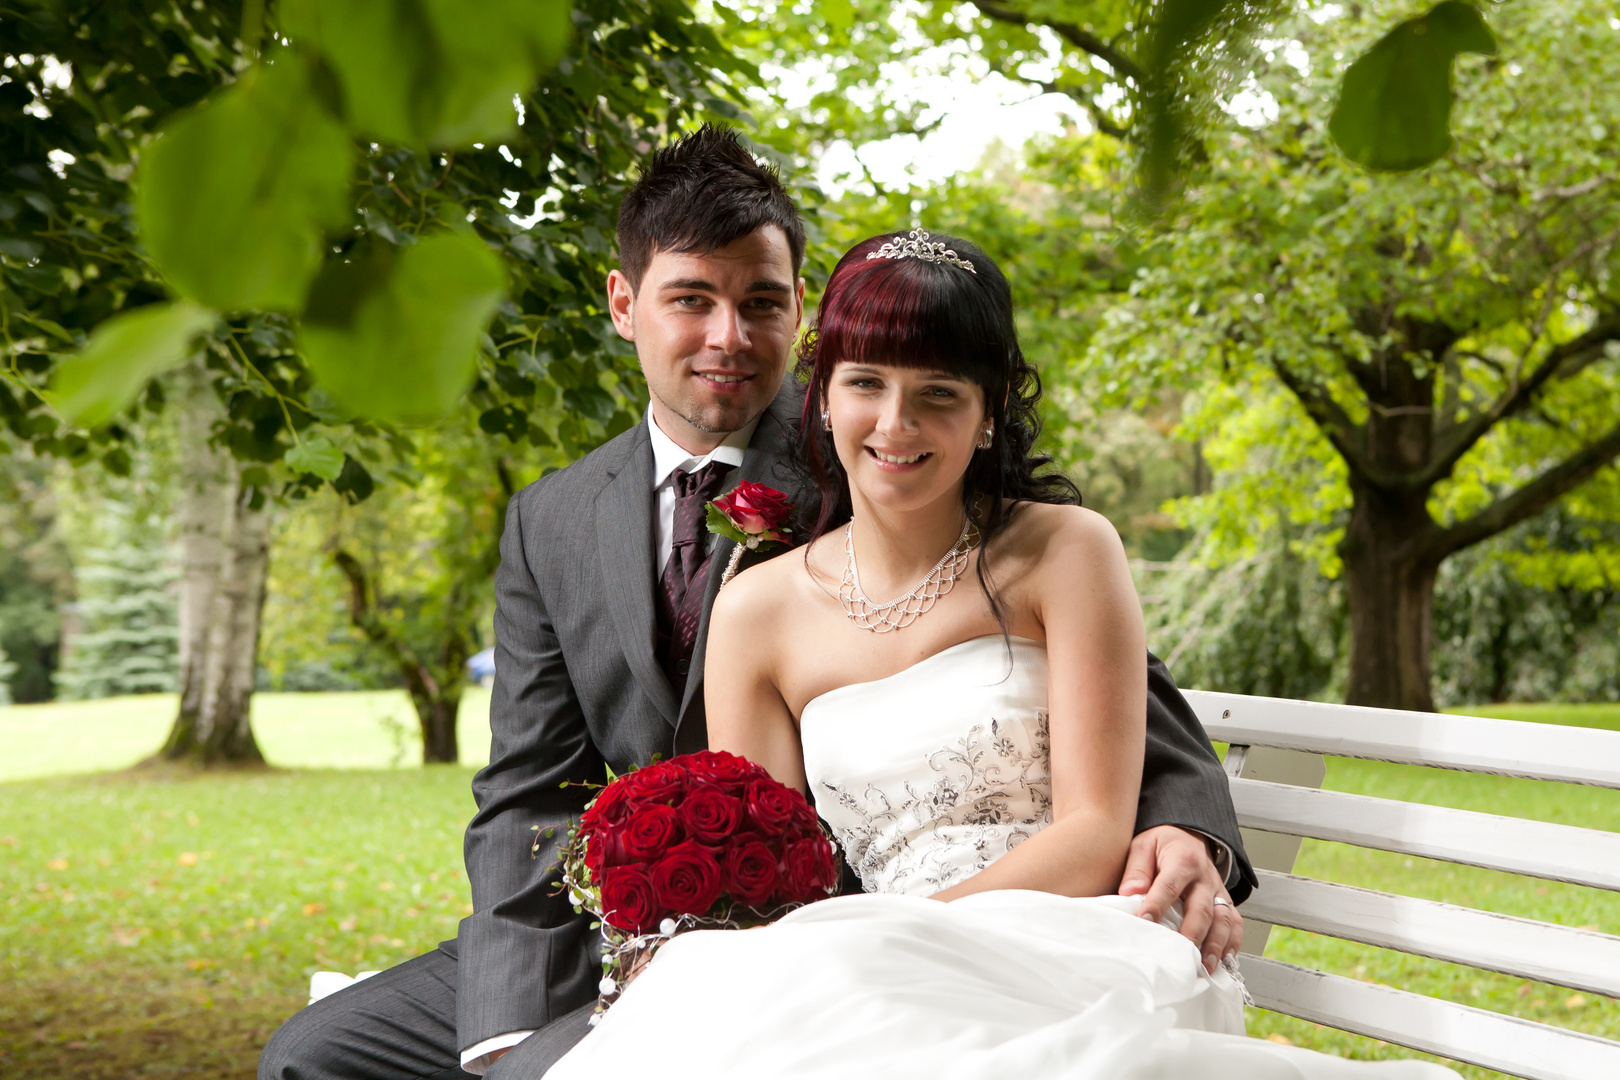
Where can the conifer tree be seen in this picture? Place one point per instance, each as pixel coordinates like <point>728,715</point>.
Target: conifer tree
<point>130,640</point>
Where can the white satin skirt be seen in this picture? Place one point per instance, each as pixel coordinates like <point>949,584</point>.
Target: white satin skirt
<point>1009,984</point>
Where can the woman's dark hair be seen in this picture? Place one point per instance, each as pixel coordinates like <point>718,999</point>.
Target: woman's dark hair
<point>934,316</point>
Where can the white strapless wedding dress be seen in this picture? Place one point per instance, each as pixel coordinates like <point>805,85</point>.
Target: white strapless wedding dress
<point>926,777</point>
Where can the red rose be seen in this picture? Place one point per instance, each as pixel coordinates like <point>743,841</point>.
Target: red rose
<point>805,822</point>
<point>711,815</point>
<point>750,872</point>
<point>610,806</point>
<point>628,899</point>
<point>770,805</point>
<point>757,511</point>
<point>657,784</point>
<point>604,846</point>
<point>687,879</point>
<point>727,771</point>
<point>651,831</point>
<point>809,869</point>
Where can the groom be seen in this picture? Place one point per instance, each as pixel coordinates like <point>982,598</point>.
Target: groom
<point>602,602</point>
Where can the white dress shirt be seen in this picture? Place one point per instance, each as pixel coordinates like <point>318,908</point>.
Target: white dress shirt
<point>668,456</point>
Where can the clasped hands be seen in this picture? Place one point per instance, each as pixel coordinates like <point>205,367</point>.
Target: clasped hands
<point>1168,864</point>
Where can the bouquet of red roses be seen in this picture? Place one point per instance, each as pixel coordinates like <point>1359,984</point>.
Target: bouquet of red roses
<point>707,840</point>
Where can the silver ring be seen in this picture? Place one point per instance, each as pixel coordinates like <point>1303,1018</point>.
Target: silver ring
<point>1221,902</point>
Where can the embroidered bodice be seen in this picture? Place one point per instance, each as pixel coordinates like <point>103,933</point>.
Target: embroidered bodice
<point>930,775</point>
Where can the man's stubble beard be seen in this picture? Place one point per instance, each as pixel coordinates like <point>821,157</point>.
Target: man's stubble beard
<point>715,418</point>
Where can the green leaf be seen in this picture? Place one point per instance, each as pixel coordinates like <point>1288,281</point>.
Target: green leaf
<point>1394,108</point>
<point>403,350</point>
<point>840,14</point>
<point>90,387</point>
<point>233,197</point>
<point>422,72</point>
<point>315,455</point>
<point>720,524</point>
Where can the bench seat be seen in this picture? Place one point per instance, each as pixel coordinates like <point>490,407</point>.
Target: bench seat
<point>1276,764</point>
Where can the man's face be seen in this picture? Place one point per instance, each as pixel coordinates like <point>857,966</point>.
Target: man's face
<point>713,332</point>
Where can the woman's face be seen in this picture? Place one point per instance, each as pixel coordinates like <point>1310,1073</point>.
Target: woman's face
<point>905,437</point>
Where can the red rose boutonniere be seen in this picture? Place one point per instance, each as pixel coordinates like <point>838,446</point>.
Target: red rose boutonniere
<point>753,515</point>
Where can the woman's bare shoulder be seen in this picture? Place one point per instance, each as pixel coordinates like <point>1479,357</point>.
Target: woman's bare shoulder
<point>1044,531</point>
<point>760,596</point>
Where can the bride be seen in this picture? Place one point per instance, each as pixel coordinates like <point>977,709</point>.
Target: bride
<point>975,743</point>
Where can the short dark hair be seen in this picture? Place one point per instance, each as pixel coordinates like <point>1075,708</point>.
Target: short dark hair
<point>700,193</point>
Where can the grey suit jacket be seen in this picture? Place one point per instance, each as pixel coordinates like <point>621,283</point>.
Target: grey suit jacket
<point>577,686</point>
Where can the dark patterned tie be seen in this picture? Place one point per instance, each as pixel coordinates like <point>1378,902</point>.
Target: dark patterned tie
<point>686,576</point>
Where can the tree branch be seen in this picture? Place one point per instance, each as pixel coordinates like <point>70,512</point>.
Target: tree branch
<point>1577,352</point>
<point>1074,34</point>
<point>363,614</point>
<point>1329,417</point>
<point>1532,498</point>
<point>1100,119</point>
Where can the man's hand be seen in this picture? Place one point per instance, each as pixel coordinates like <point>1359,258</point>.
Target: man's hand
<point>1168,863</point>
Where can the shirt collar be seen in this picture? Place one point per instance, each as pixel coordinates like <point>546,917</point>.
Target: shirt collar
<point>669,456</point>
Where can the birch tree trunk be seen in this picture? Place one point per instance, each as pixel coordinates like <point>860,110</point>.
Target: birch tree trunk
<point>224,549</point>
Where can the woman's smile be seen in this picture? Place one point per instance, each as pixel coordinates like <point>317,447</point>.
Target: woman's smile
<point>890,461</point>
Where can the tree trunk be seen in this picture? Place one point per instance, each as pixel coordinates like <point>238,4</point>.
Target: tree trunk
<point>1390,563</point>
<point>201,507</point>
<point>435,691</point>
<point>438,719</point>
<point>224,559</point>
<point>225,731</point>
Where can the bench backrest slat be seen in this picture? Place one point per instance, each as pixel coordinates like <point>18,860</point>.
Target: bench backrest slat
<point>1579,959</point>
<point>1514,845</point>
<point>1275,766</point>
<point>1490,1040</point>
<point>1468,743</point>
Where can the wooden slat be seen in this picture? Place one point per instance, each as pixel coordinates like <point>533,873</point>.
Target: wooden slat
<point>1514,845</point>
<point>1468,743</point>
<point>1490,1040</point>
<point>1579,959</point>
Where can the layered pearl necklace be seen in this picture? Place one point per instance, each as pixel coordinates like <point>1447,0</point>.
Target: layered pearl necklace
<point>901,613</point>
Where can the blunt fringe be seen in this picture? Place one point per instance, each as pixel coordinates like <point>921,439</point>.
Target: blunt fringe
<point>700,193</point>
<point>934,317</point>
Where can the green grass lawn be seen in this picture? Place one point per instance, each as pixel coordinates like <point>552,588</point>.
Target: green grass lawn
<point>366,729</point>
<point>163,922</point>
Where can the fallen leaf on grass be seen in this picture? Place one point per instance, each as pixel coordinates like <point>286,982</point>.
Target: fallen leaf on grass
<point>1280,1039</point>
<point>1575,1001</point>
<point>198,964</point>
<point>348,924</point>
<point>9,841</point>
<point>187,858</point>
<point>57,864</point>
<point>314,909</point>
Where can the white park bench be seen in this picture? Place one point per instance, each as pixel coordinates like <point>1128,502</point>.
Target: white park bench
<point>1276,767</point>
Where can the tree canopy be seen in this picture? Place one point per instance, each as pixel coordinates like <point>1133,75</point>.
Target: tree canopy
<point>1436,353</point>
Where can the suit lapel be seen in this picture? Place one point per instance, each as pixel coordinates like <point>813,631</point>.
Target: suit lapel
<point>624,532</point>
<point>771,445</point>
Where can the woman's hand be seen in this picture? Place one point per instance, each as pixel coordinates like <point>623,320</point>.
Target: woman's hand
<point>1166,864</point>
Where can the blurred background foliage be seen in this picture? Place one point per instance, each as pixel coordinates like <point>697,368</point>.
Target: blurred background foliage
<point>1135,241</point>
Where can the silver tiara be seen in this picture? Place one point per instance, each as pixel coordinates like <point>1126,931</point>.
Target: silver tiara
<point>916,245</point>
